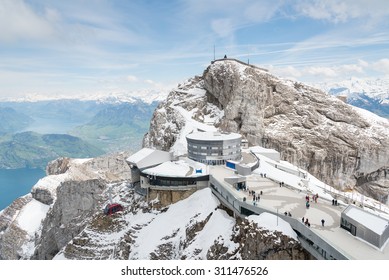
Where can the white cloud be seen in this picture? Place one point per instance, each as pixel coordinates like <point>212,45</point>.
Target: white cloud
<point>260,11</point>
<point>382,66</point>
<point>289,72</point>
<point>320,71</point>
<point>331,73</point>
<point>225,17</point>
<point>132,78</point>
<point>19,21</point>
<point>222,27</point>
<point>342,10</point>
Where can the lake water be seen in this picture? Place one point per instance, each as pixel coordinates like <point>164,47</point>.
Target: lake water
<point>17,182</point>
<point>47,126</point>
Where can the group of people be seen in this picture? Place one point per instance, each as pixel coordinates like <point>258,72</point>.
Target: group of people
<point>314,198</point>
<point>308,224</point>
<point>256,197</point>
<point>263,175</point>
<point>307,201</point>
<point>335,202</point>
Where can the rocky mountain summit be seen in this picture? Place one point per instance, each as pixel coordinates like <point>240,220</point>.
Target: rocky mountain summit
<point>340,144</point>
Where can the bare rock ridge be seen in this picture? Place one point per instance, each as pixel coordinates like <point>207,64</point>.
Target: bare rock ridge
<point>336,142</point>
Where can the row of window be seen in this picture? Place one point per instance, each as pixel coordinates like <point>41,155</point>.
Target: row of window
<point>214,154</point>
<point>166,182</point>
<point>213,147</point>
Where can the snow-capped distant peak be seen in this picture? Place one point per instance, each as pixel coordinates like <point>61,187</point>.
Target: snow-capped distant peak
<point>145,95</point>
<point>371,87</point>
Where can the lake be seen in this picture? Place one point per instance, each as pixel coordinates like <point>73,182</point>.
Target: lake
<point>52,125</point>
<point>17,182</point>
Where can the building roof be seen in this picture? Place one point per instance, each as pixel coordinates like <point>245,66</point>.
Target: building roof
<point>147,157</point>
<point>262,150</point>
<point>179,168</point>
<point>213,136</point>
<point>369,220</point>
<point>139,155</point>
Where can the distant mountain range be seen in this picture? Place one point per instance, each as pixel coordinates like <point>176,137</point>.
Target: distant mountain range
<point>146,96</point>
<point>369,94</point>
<point>11,120</point>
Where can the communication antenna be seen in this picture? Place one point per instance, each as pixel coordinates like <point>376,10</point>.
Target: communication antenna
<point>248,55</point>
<point>214,52</point>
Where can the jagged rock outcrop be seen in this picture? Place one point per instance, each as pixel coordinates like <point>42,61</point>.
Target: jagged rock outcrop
<point>256,243</point>
<point>58,166</point>
<point>12,236</point>
<point>76,202</point>
<point>375,184</point>
<point>332,140</point>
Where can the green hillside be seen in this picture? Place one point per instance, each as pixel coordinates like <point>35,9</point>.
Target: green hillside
<point>29,149</point>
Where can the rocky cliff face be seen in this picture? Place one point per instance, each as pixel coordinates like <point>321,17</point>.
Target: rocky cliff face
<point>332,140</point>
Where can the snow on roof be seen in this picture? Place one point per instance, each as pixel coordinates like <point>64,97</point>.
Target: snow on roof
<point>169,169</point>
<point>31,215</point>
<point>273,223</point>
<point>179,168</point>
<point>139,155</point>
<point>372,222</point>
<point>147,157</point>
<point>213,136</point>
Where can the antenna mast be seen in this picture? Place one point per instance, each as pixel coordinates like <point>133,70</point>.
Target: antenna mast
<point>214,52</point>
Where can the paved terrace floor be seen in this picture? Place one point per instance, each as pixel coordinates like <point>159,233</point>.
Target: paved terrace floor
<point>289,200</point>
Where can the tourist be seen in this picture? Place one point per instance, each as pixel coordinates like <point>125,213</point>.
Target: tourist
<point>302,219</point>
<point>322,222</point>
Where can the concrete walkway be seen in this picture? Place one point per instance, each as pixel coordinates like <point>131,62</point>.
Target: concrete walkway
<point>285,199</point>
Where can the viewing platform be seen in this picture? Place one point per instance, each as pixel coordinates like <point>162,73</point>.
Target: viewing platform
<point>323,242</point>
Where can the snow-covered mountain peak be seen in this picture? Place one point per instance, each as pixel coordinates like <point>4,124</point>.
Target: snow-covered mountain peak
<point>371,87</point>
<point>145,95</point>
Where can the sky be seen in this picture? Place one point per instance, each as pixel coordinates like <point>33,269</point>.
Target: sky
<point>79,47</point>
